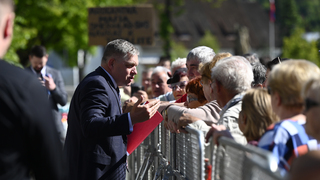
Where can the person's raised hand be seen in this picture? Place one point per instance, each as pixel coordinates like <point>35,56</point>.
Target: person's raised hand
<point>141,113</point>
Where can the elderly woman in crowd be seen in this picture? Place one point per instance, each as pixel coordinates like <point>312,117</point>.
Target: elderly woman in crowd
<point>308,166</point>
<point>209,113</point>
<point>312,107</point>
<point>288,139</point>
<point>178,83</point>
<point>195,95</point>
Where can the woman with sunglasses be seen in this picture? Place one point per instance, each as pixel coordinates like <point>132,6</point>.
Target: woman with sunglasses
<point>287,139</point>
<point>312,107</point>
<point>178,83</point>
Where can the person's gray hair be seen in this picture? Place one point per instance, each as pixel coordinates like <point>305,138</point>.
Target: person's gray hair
<point>259,73</point>
<point>119,48</point>
<point>203,54</point>
<point>252,58</point>
<point>234,73</point>
<point>178,63</point>
<point>159,69</point>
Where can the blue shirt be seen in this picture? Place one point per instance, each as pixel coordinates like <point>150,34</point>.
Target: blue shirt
<point>287,140</point>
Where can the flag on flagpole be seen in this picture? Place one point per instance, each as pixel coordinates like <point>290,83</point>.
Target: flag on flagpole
<point>272,13</point>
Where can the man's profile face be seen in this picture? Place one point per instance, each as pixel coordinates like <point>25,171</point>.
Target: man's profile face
<point>193,66</point>
<point>159,84</point>
<point>38,63</point>
<point>125,70</point>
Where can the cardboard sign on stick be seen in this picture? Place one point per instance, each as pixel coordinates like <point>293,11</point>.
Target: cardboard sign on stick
<point>134,24</point>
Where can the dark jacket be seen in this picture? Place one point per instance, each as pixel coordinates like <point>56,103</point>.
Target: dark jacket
<point>96,136</point>
<point>29,139</point>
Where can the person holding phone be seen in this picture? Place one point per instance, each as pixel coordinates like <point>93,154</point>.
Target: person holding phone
<point>52,80</point>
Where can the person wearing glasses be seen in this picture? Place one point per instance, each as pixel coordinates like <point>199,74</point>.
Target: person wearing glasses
<point>287,139</point>
<point>311,107</point>
<point>307,166</point>
<point>178,83</point>
<point>209,113</point>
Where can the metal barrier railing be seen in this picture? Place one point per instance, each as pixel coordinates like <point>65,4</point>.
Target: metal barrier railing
<point>164,155</point>
<point>232,161</point>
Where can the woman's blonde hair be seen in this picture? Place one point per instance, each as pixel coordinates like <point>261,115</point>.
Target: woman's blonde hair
<point>256,105</point>
<point>312,87</point>
<point>205,69</point>
<point>288,78</point>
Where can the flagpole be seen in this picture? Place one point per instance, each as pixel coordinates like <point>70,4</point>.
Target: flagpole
<point>271,28</point>
<point>271,40</point>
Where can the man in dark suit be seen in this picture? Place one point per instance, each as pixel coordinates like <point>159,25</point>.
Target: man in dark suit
<point>52,80</point>
<point>28,143</point>
<point>96,136</point>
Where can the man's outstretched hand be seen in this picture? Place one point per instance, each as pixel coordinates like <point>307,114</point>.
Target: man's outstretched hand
<point>141,113</point>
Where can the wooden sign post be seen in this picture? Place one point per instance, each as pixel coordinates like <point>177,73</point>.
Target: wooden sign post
<point>134,24</point>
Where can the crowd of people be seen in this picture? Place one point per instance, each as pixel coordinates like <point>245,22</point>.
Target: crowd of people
<point>272,106</point>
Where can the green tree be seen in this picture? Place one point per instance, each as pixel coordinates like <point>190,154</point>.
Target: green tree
<point>209,40</point>
<point>296,47</point>
<point>59,25</point>
<point>288,16</point>
<point>178,51</point>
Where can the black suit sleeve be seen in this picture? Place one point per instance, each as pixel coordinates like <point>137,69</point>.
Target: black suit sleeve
<point>44,144</point>
<point>99,112</point>
<point>28,135</point>
<point>59,94</point>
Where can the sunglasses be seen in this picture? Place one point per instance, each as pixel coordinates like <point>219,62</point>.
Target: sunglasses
<point>178,85</point>
<point>308,104</point>
<point>269,90</point>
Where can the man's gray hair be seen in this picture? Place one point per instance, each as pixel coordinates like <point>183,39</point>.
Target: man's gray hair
<point>161,69</point>
<point>203,54</point>
<point>119,48</point>
<point>234,73</point>
<point>259,73</point>
<point>178,63</point>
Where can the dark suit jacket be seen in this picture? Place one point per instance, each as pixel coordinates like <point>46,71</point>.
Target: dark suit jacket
<point>96,136</point>
<point>28,138</point>
<point>57,96</point>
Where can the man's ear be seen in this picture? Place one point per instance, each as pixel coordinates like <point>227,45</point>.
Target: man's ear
<point>218,85</point>
<point>111,63</point>
<point>8,26</point>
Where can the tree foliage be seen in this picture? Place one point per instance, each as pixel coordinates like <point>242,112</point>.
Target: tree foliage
<point>298,48</point>
<point>59,25</point>
<point>178,51</point>
<point>209,40</point>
